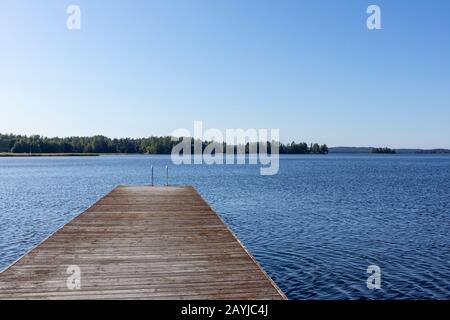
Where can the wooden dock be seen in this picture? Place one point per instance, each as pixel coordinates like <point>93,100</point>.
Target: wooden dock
<point>141,243</point>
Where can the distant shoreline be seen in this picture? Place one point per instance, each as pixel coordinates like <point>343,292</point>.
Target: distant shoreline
<point>9,154</point>
<point>360,150</point>
<point>31,155</point>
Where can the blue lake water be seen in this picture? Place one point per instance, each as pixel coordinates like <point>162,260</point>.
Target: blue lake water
<point>315,227</point>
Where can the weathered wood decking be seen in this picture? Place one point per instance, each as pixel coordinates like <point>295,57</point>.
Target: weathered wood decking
<point>141,243</point>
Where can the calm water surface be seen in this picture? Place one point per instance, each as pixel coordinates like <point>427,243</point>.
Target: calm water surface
<point>315,227</point>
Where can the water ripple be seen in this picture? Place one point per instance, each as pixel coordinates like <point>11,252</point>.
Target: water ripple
<point>315,227</point>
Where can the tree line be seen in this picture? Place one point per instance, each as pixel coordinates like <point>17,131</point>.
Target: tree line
<point>100,144</point>
<point>385,150</point>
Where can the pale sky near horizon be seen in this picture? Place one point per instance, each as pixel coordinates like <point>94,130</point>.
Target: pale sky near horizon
<point>310,68</point>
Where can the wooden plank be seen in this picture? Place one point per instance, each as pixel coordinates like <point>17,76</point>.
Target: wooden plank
<point>142,243</point>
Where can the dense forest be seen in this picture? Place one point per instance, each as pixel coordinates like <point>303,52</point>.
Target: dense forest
<point>100,144</point>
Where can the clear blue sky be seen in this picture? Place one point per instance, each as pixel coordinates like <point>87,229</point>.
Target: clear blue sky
<point>310,68</point>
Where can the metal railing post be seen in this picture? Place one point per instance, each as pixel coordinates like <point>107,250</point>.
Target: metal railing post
<point>152,174</point>
<point>167,175</point>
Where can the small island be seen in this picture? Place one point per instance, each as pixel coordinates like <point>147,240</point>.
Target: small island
<point>384,150</point>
